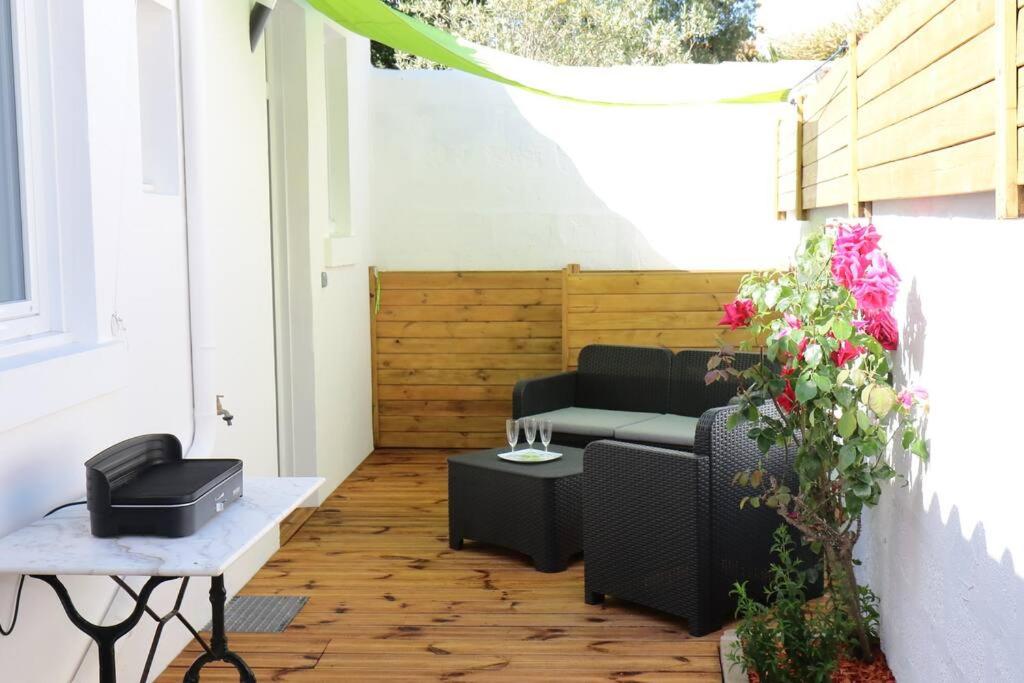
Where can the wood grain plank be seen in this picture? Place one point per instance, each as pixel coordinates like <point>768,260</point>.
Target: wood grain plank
<point>650,320</point>
<point>967,167</point>
<point>435,330</point>
<point>471,313</point>
<point>459,377</point>
<point>449,408</point>
<point>470,361</point>
<point>943,33</point>
<point>473,297</point>
<point>653,282</point>
<point>471,280</point>
<point>593,303</point>
<point>393,345</point>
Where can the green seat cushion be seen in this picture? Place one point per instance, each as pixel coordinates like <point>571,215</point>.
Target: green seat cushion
<point>673,430</point>
<point>591,421</point>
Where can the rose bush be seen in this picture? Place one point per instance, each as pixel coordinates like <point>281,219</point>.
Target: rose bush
<point>824,330</point>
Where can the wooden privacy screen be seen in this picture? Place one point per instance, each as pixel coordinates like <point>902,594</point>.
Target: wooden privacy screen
<point>926,104</point>
<point>449,346</point>
<point>674,309</point>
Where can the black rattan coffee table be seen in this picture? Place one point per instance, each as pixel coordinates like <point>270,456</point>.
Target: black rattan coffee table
<point>532,508</point>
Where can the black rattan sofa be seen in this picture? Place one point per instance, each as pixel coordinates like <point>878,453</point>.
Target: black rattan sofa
<point>664,528</point>
<point>628,393</point>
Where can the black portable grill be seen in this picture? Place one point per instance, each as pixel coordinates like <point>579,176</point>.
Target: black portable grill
<point>144,487</point>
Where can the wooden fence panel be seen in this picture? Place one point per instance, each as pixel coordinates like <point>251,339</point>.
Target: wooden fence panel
<point>676,309</point>
<point>450,345</point>
<point>929,103</point>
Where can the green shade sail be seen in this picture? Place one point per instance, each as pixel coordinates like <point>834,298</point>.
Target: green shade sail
<point>377,21</point>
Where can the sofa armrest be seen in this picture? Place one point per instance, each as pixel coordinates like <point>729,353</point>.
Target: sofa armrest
<point>540,395</point>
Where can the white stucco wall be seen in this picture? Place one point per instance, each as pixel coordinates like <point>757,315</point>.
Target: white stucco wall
<point>469,174</point>
<point>945,552</point>
<point>137,242</point>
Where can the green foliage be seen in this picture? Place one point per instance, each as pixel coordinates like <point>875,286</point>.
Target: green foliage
<point>786,640</point>
<point>822,41</point>
<point>588,32</point>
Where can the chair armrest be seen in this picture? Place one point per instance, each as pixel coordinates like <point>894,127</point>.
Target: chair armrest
<point>540,395</point>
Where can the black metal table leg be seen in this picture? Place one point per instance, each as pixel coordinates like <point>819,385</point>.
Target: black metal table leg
<point>104,636</point>
<point>219,651</point>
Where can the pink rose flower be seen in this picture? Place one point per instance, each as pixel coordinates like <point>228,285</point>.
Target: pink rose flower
<point>846,352</point>
<point>877,286</point>
<point>882,326</point>
<point>908,397</point>
<point>738,313</point>
<point>853,245</point>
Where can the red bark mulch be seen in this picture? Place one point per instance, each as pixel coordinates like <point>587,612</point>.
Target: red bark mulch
<point>856,671</point>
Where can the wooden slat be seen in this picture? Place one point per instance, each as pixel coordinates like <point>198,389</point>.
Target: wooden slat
<point>471,280</point>
<point>467,313</point>
<point>950,28</point>
<point>626,320</point>
<point>435,330</point>
<point>825,90</point>
<point>960,169</point>
<point>393,345</point>
<point>473,297</point>
<point>424,423</point>
<point>438,408</point>
<point>593,303</point>
<point>965,118</point>
<point>835,165</point>
<point>904,19</point>
<point>441,440</point>
<point>1007,192</point>
<point>829,193</point>
<point>672,339</point>
<point>832,115</point>
<point>956,73</point>
<point>653,282</point>
<point>469,361</point>
<point>832,140</point>
<point>394,392</point>
<point>374,338</point>
<point>459,377</point>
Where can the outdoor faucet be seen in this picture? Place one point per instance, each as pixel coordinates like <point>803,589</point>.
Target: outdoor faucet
<point>222,412</point>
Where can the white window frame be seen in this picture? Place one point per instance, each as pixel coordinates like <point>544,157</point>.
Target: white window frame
<point>39,315</point>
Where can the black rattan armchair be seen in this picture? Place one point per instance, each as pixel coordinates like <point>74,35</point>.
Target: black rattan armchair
<point>664,528</point>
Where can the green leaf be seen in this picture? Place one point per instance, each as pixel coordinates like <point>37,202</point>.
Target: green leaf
<point>823,383</point>
<point>908,437</point>
<point>919,448</point>
<point>863,421</point>
<point>805,390</point>
<point>881,400</point>
<point>771,295</point>
<point>756,477</point>
<point>841,328</point>
<point>862,491</point>
<point>812,355</point>
<point>847,456</point>
<point>844,396</point>
<point>743,501</point>
<point>755,502</point>
<point>735,419</point>
<point>847,423</point>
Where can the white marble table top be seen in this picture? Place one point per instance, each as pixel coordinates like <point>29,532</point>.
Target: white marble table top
<point>62,543</point>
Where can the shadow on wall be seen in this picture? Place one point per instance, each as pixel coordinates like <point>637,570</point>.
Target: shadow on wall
<point>468,174</point>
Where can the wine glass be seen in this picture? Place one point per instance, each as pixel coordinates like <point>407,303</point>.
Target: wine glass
<point>512,432</point>
<point>545,433</point>
<point>530,429</point>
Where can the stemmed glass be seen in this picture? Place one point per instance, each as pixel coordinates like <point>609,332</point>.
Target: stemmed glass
<point>545,433</point>
<point>530,429</point>
<point>512,432</point>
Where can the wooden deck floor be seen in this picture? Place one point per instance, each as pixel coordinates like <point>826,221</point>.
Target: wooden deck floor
<point>388,600</point>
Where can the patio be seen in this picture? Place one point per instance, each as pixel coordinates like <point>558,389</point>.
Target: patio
<point>390,601</point>
<point>228,230</point>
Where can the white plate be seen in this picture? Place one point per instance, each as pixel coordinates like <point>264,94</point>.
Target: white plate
<point>530,455</point>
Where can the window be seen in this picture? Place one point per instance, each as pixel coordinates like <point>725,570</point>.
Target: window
<point>25,309</point>
<point>13,286</point>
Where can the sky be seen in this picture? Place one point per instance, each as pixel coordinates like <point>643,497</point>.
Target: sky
<point>785,17</point>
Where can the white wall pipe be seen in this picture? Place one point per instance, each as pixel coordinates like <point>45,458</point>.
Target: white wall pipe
<point>191,35</point>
